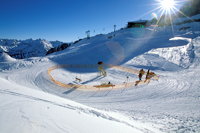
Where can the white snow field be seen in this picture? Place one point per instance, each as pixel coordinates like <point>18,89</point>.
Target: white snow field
<point>31,102</point>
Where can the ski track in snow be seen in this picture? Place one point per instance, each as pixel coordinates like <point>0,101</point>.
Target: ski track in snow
<point>84,110</point>
<point>169,89</point>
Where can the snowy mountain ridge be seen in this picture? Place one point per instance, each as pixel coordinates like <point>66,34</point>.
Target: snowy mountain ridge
<point>21,49</point>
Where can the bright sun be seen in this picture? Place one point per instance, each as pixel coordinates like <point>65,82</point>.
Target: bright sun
<point>166,11</point>
<point>167,4</point>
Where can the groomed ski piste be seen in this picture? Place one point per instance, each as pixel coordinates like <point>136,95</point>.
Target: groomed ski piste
<point>31,102</point>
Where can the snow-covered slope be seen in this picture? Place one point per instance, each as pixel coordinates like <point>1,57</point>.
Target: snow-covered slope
<point>180,56</point>
<point>129,43</point>
<point>170,104</point>
<point>26,110</point>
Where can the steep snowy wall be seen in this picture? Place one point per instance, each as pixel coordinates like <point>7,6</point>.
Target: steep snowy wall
<point>196,51</point>
<point>180,55</point>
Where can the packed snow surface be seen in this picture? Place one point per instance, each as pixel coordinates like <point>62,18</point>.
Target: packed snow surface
<point>31,102</point>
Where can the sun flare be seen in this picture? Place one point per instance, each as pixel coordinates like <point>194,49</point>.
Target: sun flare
<point>167,4</point>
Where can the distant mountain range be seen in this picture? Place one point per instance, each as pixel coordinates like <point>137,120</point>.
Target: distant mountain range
<point>21,49</point>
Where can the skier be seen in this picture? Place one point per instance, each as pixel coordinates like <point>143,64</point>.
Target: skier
<point>149,75</point>
<point>141,73</point>
<point>101,69</point>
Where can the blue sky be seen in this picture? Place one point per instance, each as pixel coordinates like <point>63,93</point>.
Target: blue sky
<point>67,20</point>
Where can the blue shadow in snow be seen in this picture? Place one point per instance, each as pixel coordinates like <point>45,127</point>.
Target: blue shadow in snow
<point>69,91</point>
<point>91,80</point>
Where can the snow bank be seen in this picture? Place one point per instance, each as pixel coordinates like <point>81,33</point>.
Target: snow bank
<point>180,55</point>
<point>196,51</point>
<point>6,58</point>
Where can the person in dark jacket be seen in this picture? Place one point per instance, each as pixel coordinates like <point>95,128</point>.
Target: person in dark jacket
<point>141,73</point>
